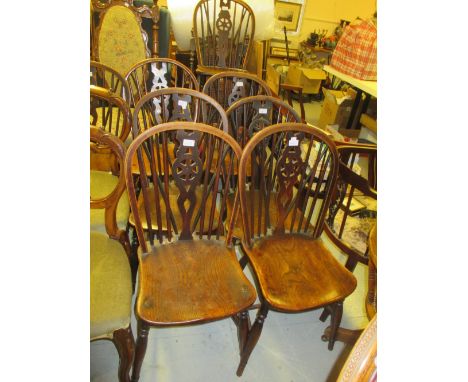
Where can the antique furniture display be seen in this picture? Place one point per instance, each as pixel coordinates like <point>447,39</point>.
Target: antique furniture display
<point>223,32</point>
<point>119,40</point>
<point>156,74</point>
<point>188,274</point>
<point>296,168</point>
<point>111,279</point>
<point>229,87</point>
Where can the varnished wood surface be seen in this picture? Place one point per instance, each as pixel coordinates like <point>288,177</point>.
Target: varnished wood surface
<point>297,273</point>
<point>191,281</point>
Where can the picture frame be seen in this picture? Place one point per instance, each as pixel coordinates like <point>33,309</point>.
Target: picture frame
<point>288,14</point>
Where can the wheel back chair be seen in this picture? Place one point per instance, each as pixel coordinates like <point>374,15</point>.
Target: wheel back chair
<point>188,273</point>
<point>294,167</point>
<point>110,275</point>
<point>247,117</point>
<point>168,105</point>
<point>223,32</point>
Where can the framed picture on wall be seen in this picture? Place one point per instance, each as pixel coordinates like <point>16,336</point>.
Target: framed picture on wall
<point>288,14</point>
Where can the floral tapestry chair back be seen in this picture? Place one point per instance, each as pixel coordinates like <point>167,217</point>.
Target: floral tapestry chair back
<point>119,40</point>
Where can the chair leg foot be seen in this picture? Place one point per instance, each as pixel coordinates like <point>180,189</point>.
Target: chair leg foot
<point>125,344</point>
<point>252,339</point>
<point>337,313</point>
<point>141,343</point>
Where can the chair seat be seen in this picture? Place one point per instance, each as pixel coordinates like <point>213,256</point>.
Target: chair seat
<point>173,195</point>
<point>102,184</point>
<point>111,286</point>
<point>297,273</point>
<point>191,281</point>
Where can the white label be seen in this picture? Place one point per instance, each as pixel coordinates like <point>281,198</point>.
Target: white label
<point>182,103</point>
<point>239,84</point>
<point>262,110</point>
<point>293,142</point>
<point>188,142</point>
<point>90,74</point>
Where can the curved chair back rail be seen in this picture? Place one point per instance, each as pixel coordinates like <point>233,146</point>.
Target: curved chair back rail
<point>109,112</point>
<point>229,86</point>
<point>158,73</point>
<point>224,33</point>
<point>249,115</point>
<point>177,104</point>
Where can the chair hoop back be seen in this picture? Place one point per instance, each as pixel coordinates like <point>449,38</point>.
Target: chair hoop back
<point>156,74</point>
<point>179,189</point>
<point>224,33</point>
<point>294,167</point>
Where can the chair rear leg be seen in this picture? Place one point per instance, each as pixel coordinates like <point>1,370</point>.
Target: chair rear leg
<point>337,313</point>
<point>252,338</point>
<point>141,343</point>
<point>125,344</point>
<point>243,329</point>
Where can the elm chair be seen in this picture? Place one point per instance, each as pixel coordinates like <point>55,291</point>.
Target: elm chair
<point>349,230</point>
<point>224,33</point>
<point>229,87</point>
<point>188,273</point>
<point>156,74</point>
<point>294,167</point>
<point>247,117</point>
<point>178,104</point>
<point>104,76</point>
<point>110,275</point>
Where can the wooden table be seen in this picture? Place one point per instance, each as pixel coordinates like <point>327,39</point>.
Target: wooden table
<point>361,86</point>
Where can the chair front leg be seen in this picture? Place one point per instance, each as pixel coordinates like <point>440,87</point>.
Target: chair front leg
<point>243,329</point>
<point>141,343</point>
<point>125,344</point>
<point>252,338</point>
<point>337,313</point>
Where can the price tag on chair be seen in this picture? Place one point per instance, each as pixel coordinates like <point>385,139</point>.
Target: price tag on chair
<point>293,142</point>
<point>188,142</point>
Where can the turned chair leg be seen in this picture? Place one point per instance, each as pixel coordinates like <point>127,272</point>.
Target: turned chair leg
<point>252,338</point>
<point>125,344</point>
<point>336,315</point>
<point>243,329</point>
<point>141,343</point>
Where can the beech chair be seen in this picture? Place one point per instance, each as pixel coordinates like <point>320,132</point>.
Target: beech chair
<point>156,74</point>
<point>224,33</point>
<point>111,279</point>
<point>188,274</point>
<point>295,167</point>
<point>229,87</point>
<point>105,77</point>
<point>349,227</point>
<point>247,117</point>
